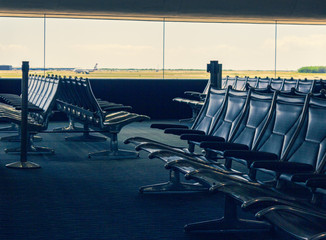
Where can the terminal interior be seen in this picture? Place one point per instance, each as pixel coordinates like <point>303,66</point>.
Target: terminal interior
<point>107,158</point>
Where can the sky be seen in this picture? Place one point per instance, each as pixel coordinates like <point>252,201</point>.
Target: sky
<point>139,44</point>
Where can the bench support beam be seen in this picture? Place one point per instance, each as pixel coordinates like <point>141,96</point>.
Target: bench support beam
<point>229,223</point>
<point>31,149</point>
<point>173,185</point>
<point>86,137</point>
<point>13,127</point>
<point>70,128</point>
<point>115,152</point>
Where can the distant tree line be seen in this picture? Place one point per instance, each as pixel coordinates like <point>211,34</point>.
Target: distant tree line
<point>312,69</point>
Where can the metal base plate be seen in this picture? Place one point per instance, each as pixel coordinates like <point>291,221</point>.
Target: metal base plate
<point>69,128</point>
<point>12,127</point>
<point>23,165</point>
<point>173,187</point>
<point>16,138</point>
<point>32,150</point>
<point>119,154</point>
<point>86,138</point>
<point>223,225</point>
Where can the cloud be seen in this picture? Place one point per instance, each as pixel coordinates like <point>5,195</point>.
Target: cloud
<point>296,42</point>
<point>113,48</point>
<point>12,48</point>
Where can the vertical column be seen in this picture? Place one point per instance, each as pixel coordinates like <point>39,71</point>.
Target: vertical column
<point>275,49</point>
<point>24,112</point>
<point>215,71</point>
<point>163,68</point>
<point>44,44</point>
<point>23,163</point>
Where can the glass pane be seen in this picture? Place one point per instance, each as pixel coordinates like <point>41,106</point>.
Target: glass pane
<point>21,40</point>
<point>236,46</point>
<point>126,45</point>
<point>300,46</point>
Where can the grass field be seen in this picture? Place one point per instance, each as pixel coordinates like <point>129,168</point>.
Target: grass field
<point>168,74</point>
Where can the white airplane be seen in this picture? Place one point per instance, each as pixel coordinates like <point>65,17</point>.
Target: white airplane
<point>86,71</point>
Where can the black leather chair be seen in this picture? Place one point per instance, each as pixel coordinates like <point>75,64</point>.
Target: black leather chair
<point>304,157</point>
<point>221,130</point>
<point>194,100</point>
<point>277,84</point>
<point>241,83</point>
<point>306,86</point>
<point>252,82</point>
<point>229,81</point>
<point>263,83</point>
<point>78,101</point>
<point>35,91</point>
<point>65,92</point>
<point>288,84</point>
<point>203,124</point>
<point>43,97</point>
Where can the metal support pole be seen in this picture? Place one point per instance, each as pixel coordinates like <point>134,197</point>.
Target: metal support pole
<point>24,124</point>
<point>163,68</point>
<point>44,38</point>
<point>24,112</point>
<point>275,49</point>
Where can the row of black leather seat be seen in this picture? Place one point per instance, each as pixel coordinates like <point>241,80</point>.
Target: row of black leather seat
<point>282,84</point>
<point>77,100</point>
<point>278,135</point>
<point>195,100</point>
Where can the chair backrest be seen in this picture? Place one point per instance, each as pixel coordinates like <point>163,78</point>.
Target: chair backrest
<point>240,83</point>
<point>276,84</point>
<point>285,119</point>
<point>46,100</point>
<point>64,91</point>
<point>33,95</point>
<point>47,87</point>
<point>229,81</point>
<point>309,145</point>
<point>252,82</point>
<point>230,114</point>
<point>206,89</point>
<point>318,86</point>
<point>252,122</point>
<point>32,81</point>
<point>82,93</point>
<point>224,82</point>
<point>305,86</point>
<point>263,82</point>
<point>289,84</point>
<point>77,93</point>
<point>210,111</point>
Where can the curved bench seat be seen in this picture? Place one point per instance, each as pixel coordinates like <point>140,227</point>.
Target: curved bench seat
<point>77,100</point>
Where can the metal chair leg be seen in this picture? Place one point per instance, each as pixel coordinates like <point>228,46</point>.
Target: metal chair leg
<point>86,137</point>
<point>13,127</point>
<point>173,185</point>
<point>114,152</point>
<point>70,128</point>
<point>31,149</point>
<point>229,222</point>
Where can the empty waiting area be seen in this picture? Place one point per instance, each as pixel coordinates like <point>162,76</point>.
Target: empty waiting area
<point>252,161</point>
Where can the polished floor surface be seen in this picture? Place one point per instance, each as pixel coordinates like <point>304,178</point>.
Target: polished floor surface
<point>73,197</point>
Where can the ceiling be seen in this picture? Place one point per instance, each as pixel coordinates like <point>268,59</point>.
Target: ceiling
<point>247,11</point>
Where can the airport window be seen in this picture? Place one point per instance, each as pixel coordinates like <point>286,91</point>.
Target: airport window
<point>301,46</point>
<point>236,46</point>
<point>21,40</point>
<point>142,49</point>
<point>128,45</point>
